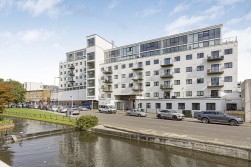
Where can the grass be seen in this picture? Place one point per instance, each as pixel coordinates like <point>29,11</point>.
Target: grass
<point>39,115</point>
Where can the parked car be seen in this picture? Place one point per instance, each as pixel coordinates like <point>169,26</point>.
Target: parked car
<point>60,108</point>
<point>170,114</point>
<point>63,110</point>
<point>54,108</point>
<point>218,117</point>
<point>82,108</point>
<point>107,108</point>
<point>73,111</point>
<point>136,112</point>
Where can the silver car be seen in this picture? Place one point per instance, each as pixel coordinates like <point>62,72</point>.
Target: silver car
<point>136,112</point>
<point>170,114</point>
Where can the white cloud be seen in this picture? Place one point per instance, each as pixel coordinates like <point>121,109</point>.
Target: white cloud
<point>244,50</point>
<point>6,6</point>
<point>113,4</point>
<point>233,21</point>
<point>151,10</point>
<point>180,8</point>
<point>228,2</point>
<point>38,7</point>
<point>184,23</point>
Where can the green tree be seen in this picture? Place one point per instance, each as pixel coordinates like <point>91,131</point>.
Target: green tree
<point>17,90</point>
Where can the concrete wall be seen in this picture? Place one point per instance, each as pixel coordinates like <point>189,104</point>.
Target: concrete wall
<point>246,96</point>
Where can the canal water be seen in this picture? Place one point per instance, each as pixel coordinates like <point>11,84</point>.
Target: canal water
<point>82,149</point>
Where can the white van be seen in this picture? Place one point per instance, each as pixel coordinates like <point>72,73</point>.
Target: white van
<point>107,108</point>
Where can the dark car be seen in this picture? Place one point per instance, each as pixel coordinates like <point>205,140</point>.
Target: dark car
<point>218,117</point>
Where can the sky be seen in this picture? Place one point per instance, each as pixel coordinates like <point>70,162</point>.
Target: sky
<point>36,34</point>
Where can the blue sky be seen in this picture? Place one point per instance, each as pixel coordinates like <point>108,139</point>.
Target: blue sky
<point>36,34</point>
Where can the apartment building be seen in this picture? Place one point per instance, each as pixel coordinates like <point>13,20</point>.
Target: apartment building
<point>194,70</point>
<point>79,73</point>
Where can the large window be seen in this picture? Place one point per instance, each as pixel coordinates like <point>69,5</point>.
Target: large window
<point>177,58</point>
<point>156,61</point>
<point>228,51</point>
<point>91,42</point>
<point>181,106</point>
<point>189,81</point>
<point>150,46</point>
<point>148,105</point>
<point>200,55</point>
<point>168,105</point>
<point>228,65</point>
<point>210,106</point>
<point>156,94</point>
<point>200,80</point>
<point>189,57</point>
<point>177,70</point>
<point>189,69</point>
<point>157,105</point>
<point>200,93</point>
<point>148,62</point>
<point>176,82</point>
<point>200,68</point>
<point>177,94</point>
<point>189,93</point>
<point>195,106</point>
<point>228,79</point>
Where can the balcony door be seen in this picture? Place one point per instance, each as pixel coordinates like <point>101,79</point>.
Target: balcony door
<point>215,81</point>
<point>215,67</point>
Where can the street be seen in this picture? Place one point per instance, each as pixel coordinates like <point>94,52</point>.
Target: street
<point>188,128</point>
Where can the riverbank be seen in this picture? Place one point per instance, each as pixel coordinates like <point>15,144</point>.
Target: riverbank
<point>240,152</point>
<point>6,124</point>
<point>40,116</point>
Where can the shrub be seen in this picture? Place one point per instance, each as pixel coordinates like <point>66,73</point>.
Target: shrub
<point>86,122</point>
<point>187,113</point>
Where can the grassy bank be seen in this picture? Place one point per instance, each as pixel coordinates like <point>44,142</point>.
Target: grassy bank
<point>39,115</point>
<point>6,123</point>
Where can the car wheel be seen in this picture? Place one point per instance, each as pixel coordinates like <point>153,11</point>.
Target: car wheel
<point>139,115</point>
<point>175,118</point>
<point>205,120</point>
<point>233,123</point>
<point>159,116</point>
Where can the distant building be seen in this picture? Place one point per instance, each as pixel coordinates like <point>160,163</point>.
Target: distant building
<point>245,98</point>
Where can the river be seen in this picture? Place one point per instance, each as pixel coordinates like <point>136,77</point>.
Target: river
<point>82,149</point>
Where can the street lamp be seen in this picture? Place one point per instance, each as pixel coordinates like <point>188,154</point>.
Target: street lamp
<point>57,89</point>
<point>71,101</point>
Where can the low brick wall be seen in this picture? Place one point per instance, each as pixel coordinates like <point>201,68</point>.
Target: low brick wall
<point>204,146</point>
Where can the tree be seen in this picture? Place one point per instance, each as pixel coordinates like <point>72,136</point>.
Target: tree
<point>17,90</point>
<point>6,95</point>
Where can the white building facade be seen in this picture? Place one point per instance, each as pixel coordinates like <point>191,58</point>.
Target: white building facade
<point>195,70</point>
<point>79,73</point>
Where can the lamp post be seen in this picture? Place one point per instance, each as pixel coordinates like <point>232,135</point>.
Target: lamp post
<point>71,101</point>
<point>57,89</point>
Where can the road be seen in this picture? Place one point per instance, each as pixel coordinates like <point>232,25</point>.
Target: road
<point>188,128</point>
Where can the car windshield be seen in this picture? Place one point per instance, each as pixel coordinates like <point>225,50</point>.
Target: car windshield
<point>112,107</point>
<point>172,111</point>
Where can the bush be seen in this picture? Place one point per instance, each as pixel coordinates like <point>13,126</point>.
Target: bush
<point>187,113</point>
<point>86,122</point>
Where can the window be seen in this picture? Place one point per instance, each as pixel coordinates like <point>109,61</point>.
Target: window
<point>200,55</point>
<point>123,75</point>
<point>130,75</point>
<point>228,79</point>
<point>76,70</point>
<point>81,70</point>
<point>177,94</point>
<point>200,80</point>
<point>189,57</point>
<point>156,61</point>
<point>116,86</point>
<point>116,67</point>
<point>61,73</point>
<point>210,106</point>
<point>130,65</point>
<point>181,105</point>
<point>189,81</point>
<point>188,69</point>
<point>148,105</point>
<point>156,72</point>
<point>227,91</point>
<point>200,93</point>
<point>228,51</point>
<point>123,86</point>
<point>115,76</point>
<point>156,94</point>
<point>148,73</point>
<point>228,65</point>
<point>148,62</point>
<point>176,82</point>
<point>61,66</point>
<point>80,77</point>
<point>156,83</point>
<point>200,68</point>
<point>177,58</point>
<point>91,42</point>
<point>176,70</point>
<point>123,66</point>
<point>157,105</point>
<point>188,93</point>
<point>76,64</point>
<point>81,63</point>
<point>148,84</point>
<point>168,105</point>
<point>195,106</point>
<point>147,94</point>
<point>130,85</point>
<point>109,95</point>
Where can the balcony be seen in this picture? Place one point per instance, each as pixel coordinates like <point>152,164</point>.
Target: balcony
<point>137,88</point>
<point>165,86</point>
<point>107,71</point>
<point>107,89</point>
<point>215,84</point>
<point>137,67</point>
<point>137,78</point>
<point>166,75</point>
<point>215,58</point>
<point>108,81</point>
<point>71,74</point>
<point>71,67</point>
<point>215,71</point>
<point>166,64</point>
